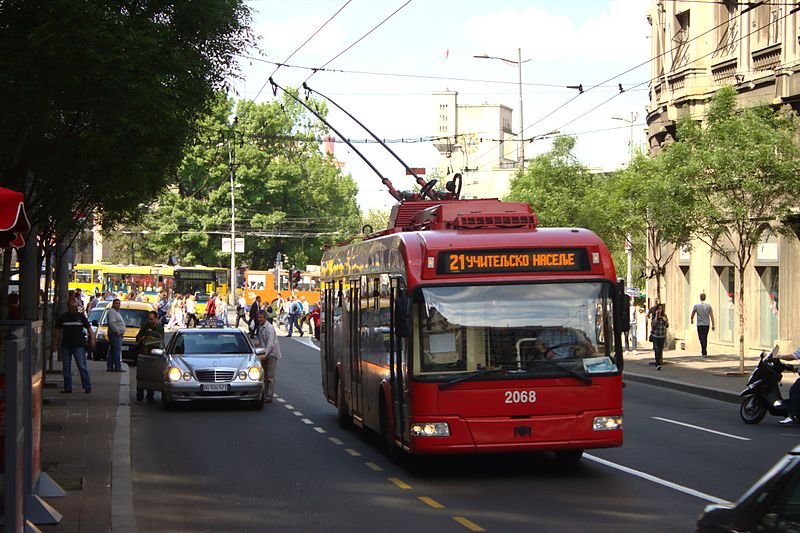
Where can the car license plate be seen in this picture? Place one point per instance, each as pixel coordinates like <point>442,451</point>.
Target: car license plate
<point>215,387</point>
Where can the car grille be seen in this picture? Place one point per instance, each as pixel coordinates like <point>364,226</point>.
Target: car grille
<point>214,376</point>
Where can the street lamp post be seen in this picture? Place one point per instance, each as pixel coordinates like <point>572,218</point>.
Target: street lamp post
<point>518,62</point>
<point>629,237</point>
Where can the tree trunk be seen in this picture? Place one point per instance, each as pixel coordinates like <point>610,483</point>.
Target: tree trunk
<point>740,308</point>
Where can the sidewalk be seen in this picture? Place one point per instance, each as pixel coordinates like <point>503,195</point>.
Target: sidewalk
<point>86,450</point>
<point>717,376</point>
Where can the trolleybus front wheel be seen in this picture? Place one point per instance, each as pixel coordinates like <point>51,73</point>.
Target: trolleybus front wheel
<point>569,457</point>
<point>342,411</point>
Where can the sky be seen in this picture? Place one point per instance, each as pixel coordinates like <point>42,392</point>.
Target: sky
<point>409,49</point>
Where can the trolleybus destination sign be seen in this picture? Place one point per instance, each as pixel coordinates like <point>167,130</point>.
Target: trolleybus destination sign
<point>506,261</point>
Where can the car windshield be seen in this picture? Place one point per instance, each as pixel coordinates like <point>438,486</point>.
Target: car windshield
<point>532,330</point>
<point>96,314</point>
<point>134,318</point>
<point>211,343</point>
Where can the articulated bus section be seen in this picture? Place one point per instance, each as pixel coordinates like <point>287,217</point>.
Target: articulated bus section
<point>451,339</point>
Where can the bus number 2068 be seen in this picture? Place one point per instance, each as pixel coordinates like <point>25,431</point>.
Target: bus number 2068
<point>520,396</point>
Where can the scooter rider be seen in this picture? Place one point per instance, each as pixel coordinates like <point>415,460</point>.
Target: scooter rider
<point>794,392</point>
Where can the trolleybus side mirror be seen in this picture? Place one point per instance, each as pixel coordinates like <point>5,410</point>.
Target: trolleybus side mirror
<point>401,313</point>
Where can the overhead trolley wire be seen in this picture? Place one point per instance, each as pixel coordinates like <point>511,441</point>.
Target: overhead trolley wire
<point>278,65</point>
<point>358,40</point>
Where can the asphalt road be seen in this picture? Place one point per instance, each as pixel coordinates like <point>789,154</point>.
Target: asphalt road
<point>291,468</point>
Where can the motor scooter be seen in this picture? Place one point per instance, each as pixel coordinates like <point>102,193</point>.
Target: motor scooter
<point>763,393</point>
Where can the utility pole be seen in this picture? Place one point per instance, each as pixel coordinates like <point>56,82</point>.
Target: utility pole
<point>629,237</point>
<point>518,63</point>
<point>232,284</point>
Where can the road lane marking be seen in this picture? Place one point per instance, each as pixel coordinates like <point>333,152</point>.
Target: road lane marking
<point>658,480</point>
<point>335,441</point>
<point>469,524</point>
<point>374,467</point>
<point>281,400</point>
<point>290,407</point>
<point>430,501</point>
<point>306,421</point>
<point>699,427</point>
<point>352,452</point>
<point>297,413</point>
<point>319,430</point>
<point>400,483</point>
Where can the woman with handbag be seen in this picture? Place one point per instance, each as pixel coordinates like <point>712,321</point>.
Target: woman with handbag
<point>658,332</point>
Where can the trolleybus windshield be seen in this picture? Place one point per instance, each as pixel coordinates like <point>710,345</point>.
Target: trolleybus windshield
<point>530,330</point>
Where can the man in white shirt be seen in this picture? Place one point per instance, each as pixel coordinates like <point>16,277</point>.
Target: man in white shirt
<point>116,329</point>
<point>705,318</point>
<point>268,339</point>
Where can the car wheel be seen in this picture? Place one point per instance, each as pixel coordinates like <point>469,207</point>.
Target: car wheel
<point>752,409</point>
<point>165,400</point>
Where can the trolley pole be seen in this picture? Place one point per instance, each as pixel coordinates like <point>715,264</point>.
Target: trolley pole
<point>232,284</point>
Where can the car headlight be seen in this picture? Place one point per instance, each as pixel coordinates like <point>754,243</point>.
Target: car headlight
<point>187,376</point>
<point>430,429</point>
<point>604,423</point>
<point>174,374</point>
<point>254,373</point>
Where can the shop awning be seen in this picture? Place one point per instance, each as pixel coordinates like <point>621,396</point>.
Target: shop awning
<point>14,222</point>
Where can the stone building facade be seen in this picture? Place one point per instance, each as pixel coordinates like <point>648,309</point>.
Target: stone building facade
<point>697,48</point>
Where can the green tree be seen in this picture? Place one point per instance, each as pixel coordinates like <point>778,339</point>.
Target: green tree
<point>289,197</point>
<point>98,99</point>
<point>658,206</point>
<point>563,192</point>
<point>743,167</point>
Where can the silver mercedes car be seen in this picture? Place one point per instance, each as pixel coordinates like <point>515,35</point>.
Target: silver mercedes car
<point>204,364</point>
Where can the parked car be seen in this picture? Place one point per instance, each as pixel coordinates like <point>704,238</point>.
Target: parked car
<point>95,317</point>
<point>771,504</point>
<point>135,316</point>
<point>204,364</point>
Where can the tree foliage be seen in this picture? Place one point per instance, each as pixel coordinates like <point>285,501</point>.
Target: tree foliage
<point>743,168</point>
<point>289,197</point>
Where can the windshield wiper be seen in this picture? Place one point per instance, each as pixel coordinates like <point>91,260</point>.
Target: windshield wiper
<point>473,375</point>
<point>583,377</point>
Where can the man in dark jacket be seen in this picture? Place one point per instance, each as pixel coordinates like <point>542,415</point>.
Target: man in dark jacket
<point>252,323</point>
<point>70,327</point>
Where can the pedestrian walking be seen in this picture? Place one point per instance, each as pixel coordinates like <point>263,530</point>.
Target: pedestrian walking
<point>222,310</point>
<point>150,336</point>
<point>268,338</point>
<point>70,327</point>
<point>705,319</point>
<point>658,332</point>
<point>241,310</point>
<point>295,312</point>
<point>191,311</point>
<point>634,328</point>
<point>252,324</point>
<point>116,330</point>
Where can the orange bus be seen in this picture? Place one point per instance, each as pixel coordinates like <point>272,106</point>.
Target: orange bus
<point>262,283</point>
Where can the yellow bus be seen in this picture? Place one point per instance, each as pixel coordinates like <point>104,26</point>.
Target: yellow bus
<point>121,279</point>
<point>201,281</point>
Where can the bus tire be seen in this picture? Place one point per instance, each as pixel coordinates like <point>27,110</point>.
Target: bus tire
<point>569,457</point>
<point>342,411</point>
<point>396,455</point>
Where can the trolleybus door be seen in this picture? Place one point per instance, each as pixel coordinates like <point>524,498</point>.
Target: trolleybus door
<point>397,359</point>
<point>355,350</point>
<point>328,305</point>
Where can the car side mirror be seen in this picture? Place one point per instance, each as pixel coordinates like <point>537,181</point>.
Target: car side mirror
<point>95,323</point>
<point>260,351</point>
<point>157,352</point>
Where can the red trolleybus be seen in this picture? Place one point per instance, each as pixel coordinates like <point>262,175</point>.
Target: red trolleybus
<point>464,328</point>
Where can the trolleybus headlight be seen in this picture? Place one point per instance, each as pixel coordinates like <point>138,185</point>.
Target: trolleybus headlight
<point>254,373</point>
<point>174,374</point>
<point>430,429</point>
<point>604,423</point>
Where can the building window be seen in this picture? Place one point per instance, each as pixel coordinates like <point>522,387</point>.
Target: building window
<point>766,24</point>
<point>727,28</point>
<point>725,300</point>
<point>768,299</point>
<point>680,40</point>
<point>687,295</point>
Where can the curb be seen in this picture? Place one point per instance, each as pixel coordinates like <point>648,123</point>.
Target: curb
<point>123,518</point>
<point>700,390</point>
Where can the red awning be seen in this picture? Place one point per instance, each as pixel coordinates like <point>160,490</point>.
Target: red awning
<point>14,222</point>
